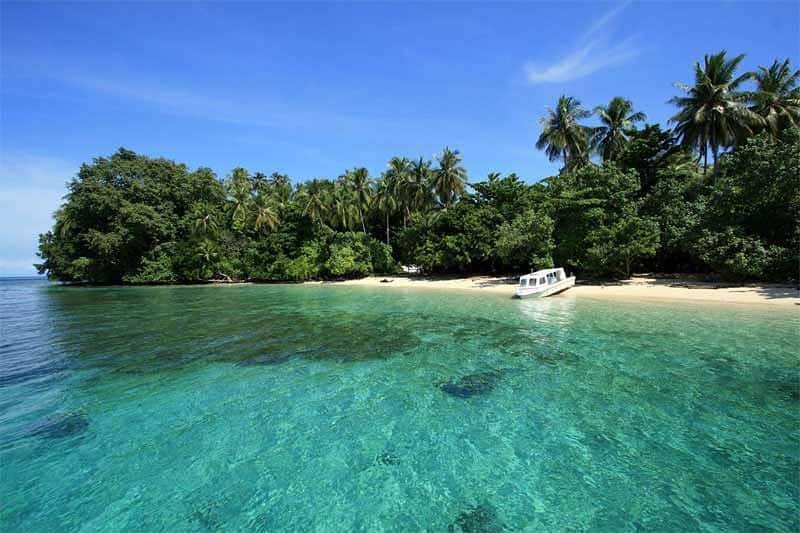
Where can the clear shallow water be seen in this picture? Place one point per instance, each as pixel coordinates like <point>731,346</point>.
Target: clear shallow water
<point>333,408</point>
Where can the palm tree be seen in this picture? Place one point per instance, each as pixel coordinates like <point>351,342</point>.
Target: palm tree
<point>563,137</point>
<point>777,96</point>
<point>240,197</point>
<point>64,223</point>
<point>278,180</point>
<point>618,119</point>
<point>450,178</point>
<point>342,206</point>
<point>312,197</point>
<point>397,175</point>
<point>206,253</point>
<point>204,219</point>
<point>361,189</point>
<point>416,190</point>
<point>259,182</point>
<point>265,213</point>
<point>385,199</point>
<point>712,115</point>
<point>280,186</point>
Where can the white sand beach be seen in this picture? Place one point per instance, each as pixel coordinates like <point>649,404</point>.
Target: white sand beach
<point>637,288</point>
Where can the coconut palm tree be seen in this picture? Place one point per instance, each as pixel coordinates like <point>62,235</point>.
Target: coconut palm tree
<point>204,219</point>
<point>312,197</point>
<point>397,174</point>
<point>342,206</point>
<point>618,119</point>
<point>64,223</point>
<point>563,136</point>
<point>265,213</point>
<point>361,189</point>
<point>777,96</point>
<point>278,180</point>
<point>239,196</point>
<point>450,178</point>
<point>206,254</point>
<point>417,188</point>
<point>386,199</point>
<point>280,187</point>
<point>713,113</point>
<point>259,182</point>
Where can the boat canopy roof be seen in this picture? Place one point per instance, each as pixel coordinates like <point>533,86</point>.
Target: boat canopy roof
<point>540,273</point>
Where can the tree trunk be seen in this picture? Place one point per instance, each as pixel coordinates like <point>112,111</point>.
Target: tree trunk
<point>363,225</point>
<point>387,228</point>
<point>705,161</point>
<point>715,153</point>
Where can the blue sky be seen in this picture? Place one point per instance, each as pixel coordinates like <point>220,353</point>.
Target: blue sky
<point>313,89</point>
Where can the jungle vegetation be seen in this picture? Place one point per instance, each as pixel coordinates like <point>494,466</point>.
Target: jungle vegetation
<point>716,191</point>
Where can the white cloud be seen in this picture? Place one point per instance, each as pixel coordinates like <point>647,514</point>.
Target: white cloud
<point>31,189</point>
<point>19,169</point>
<point>592,53</point>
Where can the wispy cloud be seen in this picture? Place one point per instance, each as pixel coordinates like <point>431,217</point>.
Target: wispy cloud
<point>258,110</point>
<point>593,52</point>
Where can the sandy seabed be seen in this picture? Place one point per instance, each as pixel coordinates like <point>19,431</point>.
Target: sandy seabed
<point>637,288</point>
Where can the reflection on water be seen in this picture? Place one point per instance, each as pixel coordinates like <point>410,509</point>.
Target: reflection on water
<point>345,408</point>
<point>550,311</point>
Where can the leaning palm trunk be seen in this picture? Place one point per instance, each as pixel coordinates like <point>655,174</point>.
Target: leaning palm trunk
<point>387,228</point>
<point>363,225</point>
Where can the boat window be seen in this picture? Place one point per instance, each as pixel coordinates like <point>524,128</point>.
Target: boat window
<point>542,281</point>
<point>523,282</point>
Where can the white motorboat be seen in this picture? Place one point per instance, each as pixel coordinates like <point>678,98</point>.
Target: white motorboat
<point>544,283</point>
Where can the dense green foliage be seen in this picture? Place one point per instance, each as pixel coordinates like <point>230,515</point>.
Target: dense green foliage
<point>647,201</point>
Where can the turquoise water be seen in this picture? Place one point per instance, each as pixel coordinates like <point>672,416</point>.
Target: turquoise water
<point>344,408</point>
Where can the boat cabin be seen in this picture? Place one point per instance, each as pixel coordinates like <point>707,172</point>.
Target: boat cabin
<point>542,277</point>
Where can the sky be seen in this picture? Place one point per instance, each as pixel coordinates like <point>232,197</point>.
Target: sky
<point>313,89</point>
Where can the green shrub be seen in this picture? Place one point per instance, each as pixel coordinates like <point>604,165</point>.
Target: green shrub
<point>736,256</point>
<point>381,258</point>
<point>157,269</point>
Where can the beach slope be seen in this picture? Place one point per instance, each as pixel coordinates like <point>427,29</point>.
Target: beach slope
<point>637,288</point>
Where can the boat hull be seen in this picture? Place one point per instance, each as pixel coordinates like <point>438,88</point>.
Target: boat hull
<point>548,290</point>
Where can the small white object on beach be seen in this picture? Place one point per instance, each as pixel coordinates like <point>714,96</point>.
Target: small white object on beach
<point>544,283</point>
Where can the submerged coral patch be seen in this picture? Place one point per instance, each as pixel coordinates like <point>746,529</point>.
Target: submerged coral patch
<point>789,391</point>
<point>59,426</point>
<point>388,458</point>
<point>479,519</point>
<point>472,384</point>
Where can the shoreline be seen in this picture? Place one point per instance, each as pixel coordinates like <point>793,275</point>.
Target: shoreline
<point>638,288</point>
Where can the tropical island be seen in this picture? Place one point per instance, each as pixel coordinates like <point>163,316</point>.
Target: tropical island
<point>246,320</point>
<point>716,193</point>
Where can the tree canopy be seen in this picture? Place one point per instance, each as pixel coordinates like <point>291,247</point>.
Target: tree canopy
<point>644,201</point>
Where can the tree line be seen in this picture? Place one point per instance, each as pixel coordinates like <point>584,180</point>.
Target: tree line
<point>630,196</point>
